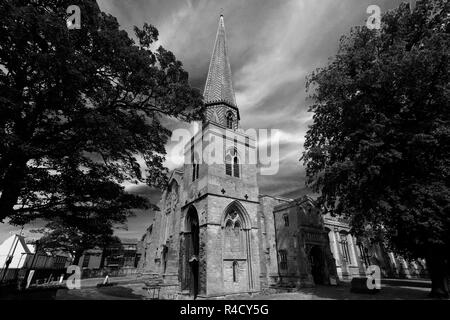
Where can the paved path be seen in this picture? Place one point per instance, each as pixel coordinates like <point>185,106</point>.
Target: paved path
<point>118,292</point>
<point>390,290</point>
<point>342,292</point>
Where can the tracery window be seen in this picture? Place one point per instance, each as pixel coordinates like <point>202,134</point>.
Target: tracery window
<point>233,228</point>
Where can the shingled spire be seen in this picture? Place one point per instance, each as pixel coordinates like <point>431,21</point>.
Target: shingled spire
<point>219,93</point>
<point>219,86</point>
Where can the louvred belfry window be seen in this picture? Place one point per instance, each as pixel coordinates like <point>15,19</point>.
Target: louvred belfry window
<point>230,120</point>
<point>232,167</point>
<point>236,167</point>
<point>228,168</point>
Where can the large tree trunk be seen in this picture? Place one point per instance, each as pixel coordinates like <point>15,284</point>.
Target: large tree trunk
<point>438,269</point>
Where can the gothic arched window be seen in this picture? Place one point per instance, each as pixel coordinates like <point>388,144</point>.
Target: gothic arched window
<point>232,163</point>
<point>235,271</point>
<point>230,120</point>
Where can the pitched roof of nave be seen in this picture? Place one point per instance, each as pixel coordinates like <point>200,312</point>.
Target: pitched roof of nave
<point>219,85</point>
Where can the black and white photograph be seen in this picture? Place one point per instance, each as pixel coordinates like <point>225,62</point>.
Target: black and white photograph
<point>215,156</point>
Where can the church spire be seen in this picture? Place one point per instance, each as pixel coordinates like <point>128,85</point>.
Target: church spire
<point>219,86</point>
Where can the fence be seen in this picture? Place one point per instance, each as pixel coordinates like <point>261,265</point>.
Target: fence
<point>100,273</point>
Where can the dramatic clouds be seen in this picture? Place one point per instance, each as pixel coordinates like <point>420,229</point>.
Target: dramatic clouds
<point>273,45</point>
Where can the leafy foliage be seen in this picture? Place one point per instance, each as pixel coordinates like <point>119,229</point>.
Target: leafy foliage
<point>378,150</point>
<point>80,111</point>
<point>74,237</point>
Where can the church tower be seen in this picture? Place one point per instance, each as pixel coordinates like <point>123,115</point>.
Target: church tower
<point>218,240</point>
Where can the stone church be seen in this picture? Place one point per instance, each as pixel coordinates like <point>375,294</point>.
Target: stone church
<point>216,235</point>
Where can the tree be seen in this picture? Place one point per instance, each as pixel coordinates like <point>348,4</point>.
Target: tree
<point>79,110</point>
<point>378,148</point>
<point>90,225</point>
<point>77,236</point>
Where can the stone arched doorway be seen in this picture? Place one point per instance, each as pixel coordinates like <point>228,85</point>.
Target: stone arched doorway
<point>191,252</point>
<point>317,262</point>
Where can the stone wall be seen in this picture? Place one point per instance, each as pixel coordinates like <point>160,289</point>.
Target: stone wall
<point>304,255</point>
<point>267,239</point>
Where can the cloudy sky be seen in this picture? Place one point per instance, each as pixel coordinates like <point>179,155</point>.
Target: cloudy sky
<point>273,45</point>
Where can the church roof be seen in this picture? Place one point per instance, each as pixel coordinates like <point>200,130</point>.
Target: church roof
<point>219,86</point>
